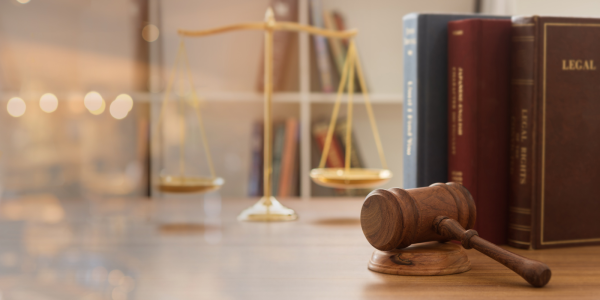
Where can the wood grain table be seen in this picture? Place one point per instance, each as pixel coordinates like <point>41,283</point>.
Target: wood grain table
<point>195,249</point>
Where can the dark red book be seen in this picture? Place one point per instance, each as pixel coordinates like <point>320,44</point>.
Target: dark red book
<point>335,158</point>
<point>478,117</point>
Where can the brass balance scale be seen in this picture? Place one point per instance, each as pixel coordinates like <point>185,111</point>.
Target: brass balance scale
<point>347,177</point>
<point>268,208</point>
<point>181,183</point>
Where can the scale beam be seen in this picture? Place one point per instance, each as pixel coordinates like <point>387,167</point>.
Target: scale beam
<point>287,26</point>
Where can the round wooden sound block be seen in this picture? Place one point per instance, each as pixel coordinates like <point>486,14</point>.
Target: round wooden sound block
<point>431,258</point>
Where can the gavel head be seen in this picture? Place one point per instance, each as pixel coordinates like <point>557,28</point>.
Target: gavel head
<point>396,218</point>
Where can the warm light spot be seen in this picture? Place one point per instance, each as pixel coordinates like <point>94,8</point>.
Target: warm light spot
<point>16,107</point>
<point>99,110</point>
<point>150,33</point>
<point>42,208</point>
<point>93,101</point>
<point>48,102</point>
<point>23,1</point>
<point>127,100</point>
<point>119,109</point>
<point>121,106</point>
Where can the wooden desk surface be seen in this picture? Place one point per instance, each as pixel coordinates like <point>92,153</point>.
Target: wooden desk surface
<point>117,249</point>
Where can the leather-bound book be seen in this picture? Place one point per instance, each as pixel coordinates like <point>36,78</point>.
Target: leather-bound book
<point>555,132</point>
<point>478,106</point>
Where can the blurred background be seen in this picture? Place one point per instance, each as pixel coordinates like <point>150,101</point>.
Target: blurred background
<point>57,145</point>
<point>81,87</point>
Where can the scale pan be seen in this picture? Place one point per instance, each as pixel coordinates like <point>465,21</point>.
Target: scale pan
<point>177,184</point>
<point>351,179</point>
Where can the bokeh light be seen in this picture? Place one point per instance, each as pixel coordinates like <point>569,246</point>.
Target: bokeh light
<point>118,109</point>
<point>150,33</point>
<point>48,102</point>
<point>16,107</point>
<point>127,100</point>
<point>93,101</point>
<point>99,110</point>
<point>23,1</point>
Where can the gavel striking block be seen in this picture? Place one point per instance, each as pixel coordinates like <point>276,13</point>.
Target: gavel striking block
<point>394,219</point>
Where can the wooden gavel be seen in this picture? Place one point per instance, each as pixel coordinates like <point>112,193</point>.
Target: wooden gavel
<point>396,218</point>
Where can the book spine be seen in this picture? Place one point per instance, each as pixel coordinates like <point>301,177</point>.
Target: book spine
<point>337,48</point>
<point>295,180</point>
<point>521,123</point>
<point>289,155</point>
<point>285,11</point>
<point>463,57</point>
<point>338,22</point>
<point>478,103</point>
<point>462,104</point>
<point>278,141</point>
<point>340,132</point>
<point>321,48</point>
<point>355,157</point>
<point>255,184</point>
<point>335,158</point>
<point>410,165</point>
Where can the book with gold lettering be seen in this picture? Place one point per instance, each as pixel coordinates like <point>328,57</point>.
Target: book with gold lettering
<point>478,105</point>
<point>555,132</point>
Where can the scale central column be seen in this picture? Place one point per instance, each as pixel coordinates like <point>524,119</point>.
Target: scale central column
<point>268,208</point>
<point>268,90</point>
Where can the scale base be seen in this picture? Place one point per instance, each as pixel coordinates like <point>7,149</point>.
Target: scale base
<point>431,258</point>
<point>262,212</point>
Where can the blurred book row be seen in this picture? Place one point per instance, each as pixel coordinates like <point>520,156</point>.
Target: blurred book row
<point>327,54</point>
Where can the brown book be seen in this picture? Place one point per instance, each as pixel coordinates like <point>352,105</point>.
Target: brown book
<point>335,157</point>
<point>285,11</point>
<point>555,132</point>
<point>288,160</point>
<point>338,49</point>
<point>478,105</point>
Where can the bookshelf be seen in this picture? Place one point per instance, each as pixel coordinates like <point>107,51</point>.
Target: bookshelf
<point>225,70</point>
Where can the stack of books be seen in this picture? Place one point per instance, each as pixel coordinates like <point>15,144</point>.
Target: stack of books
<point>510,109</point>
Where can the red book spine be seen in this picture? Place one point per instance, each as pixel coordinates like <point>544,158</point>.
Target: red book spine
<point>478,133</point>
<point>462,132</point>
<point>289,155</point>
<point>335,158</point>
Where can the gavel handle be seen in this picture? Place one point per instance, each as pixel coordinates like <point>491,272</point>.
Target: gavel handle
<point>536,273</point>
